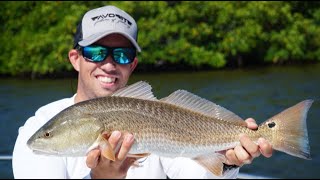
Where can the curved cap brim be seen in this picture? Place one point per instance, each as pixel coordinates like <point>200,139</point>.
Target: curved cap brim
<point>93,38</point>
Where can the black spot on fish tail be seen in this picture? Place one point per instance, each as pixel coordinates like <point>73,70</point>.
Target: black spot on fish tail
<point>271,125</point>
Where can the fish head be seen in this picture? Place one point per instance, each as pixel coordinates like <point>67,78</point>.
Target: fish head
<point>66,135</point>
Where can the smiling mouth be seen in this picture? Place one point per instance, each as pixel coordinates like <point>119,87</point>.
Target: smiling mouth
<point>106,79</point>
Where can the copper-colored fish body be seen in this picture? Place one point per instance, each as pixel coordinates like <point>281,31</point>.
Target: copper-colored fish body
<point>181,124</point>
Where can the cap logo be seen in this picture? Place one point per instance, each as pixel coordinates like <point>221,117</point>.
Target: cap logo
<point>113,17</point>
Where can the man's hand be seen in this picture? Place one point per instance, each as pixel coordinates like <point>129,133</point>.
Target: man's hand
<point>248,150</point>
<point>105,168</point>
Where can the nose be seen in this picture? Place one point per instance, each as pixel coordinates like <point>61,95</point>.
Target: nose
<point>108,64</point>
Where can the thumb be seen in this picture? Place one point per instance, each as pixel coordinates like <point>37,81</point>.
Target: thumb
<point>93,158</point>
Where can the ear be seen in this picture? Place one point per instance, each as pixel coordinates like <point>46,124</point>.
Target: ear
<point>75,58</point>
<point>134,64</point>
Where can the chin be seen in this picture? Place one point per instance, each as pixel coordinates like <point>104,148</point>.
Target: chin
<point>105,93</point>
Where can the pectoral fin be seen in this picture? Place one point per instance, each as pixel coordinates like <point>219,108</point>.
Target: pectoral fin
<point>108,152</point>
<point>212,162</point>
<point>106,148</point>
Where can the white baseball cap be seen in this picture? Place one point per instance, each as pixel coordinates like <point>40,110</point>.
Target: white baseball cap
<point>100,22</point>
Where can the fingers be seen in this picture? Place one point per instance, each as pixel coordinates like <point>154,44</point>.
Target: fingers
<point>251,123</point>
<point>232,158</point>
<point>93,158</point>
<point>114,139</point>
<point>121,144</point>
<point>250,147</point>
<point>244,153</point>
<point>247,150</point>
<point>238,156</point>
<point>102,167</point>
<point>265,147</point>
<point>125,147</point>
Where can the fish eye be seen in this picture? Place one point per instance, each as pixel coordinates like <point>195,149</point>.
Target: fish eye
<point>47,134</point>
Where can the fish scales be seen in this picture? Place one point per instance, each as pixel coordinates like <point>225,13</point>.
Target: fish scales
<point>181,124</point>
<point>156,125</point>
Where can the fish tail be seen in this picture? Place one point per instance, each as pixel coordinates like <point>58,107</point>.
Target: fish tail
<point>289,130</point>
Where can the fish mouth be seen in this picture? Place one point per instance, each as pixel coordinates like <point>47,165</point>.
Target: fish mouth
<point>40,152</point>
<point>38,149</point>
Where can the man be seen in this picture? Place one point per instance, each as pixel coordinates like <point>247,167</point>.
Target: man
<point>104,55</point>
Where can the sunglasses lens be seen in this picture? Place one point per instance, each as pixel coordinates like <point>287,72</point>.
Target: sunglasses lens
<point>95,53</point>
<point>124,55</point>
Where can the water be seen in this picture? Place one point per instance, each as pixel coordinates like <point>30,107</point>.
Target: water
<point>257,93</point>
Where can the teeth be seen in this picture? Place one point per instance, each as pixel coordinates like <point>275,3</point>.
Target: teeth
<point>106,79</point>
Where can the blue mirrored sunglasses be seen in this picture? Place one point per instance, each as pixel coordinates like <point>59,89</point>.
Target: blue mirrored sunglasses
<point>98,53</point>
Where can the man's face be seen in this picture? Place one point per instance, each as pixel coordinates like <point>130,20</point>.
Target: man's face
<point>103,78</point>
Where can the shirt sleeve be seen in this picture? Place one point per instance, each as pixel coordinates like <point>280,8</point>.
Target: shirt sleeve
<point>27,165</point>
<point>180,167</point>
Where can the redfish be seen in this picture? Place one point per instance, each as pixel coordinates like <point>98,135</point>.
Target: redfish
<point>179,125</point>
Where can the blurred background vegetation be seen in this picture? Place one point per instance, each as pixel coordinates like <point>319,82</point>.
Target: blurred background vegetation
<point>36,36</point>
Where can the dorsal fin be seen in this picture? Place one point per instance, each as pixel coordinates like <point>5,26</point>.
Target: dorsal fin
<point>193,102</point>
<point>140,90</point>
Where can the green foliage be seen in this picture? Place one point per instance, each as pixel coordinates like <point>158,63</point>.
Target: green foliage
<point>36,36</point>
